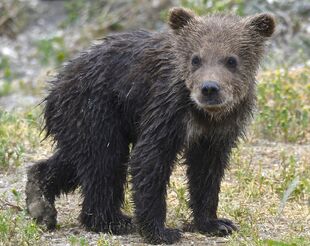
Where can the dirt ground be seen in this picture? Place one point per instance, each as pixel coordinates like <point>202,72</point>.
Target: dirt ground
<point>274,226</point>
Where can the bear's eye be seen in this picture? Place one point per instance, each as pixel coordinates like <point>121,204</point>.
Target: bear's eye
<point>196,61</point>
<point>231,62</point>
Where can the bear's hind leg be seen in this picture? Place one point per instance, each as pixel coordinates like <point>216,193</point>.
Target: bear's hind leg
<point>46,180</point>
<point>103,180</point>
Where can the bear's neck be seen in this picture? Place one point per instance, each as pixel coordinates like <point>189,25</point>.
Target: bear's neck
<point>229,126</point>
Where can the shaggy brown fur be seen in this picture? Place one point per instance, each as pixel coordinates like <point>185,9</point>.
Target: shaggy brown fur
<point>188,90</point>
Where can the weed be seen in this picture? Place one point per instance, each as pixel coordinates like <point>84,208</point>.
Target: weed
<point>52,50</point>
<point>300,241</point>
<point>15,226</point>
<point>5,76</point>
<point>83,9</point>
<point>261,197</point>
<point>78,241</point>
<point>203,7</point>
<point>127,206</point>
<point>17,133</point>
<point>293,176</point>
<point>73,9</point>
<point>106,240</point>
<point>181,210</point>
<point>283,105</point>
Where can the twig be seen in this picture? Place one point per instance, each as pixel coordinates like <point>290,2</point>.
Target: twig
<point>4,204</point>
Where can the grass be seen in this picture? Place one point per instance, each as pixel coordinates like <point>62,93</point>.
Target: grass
<point>20,138</point>
<point>52,50</point>
<point>19,134</point>
<point>103,240</point>
<point>82,9</point>
<point>203,7</point>
<point>258,194</point>
<point>259,188</point>
<point>74,241</point>
<point>73,9</point>
<point>5,76</point>
<point>95,11</point>
<point>17,229</point>
<point>283,105</point>
<point>15,226</point>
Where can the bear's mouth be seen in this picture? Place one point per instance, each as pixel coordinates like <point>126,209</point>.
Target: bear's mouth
<point>209,104</point>
<point>214,108</point>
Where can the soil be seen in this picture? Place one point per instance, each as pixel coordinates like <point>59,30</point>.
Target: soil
<point>68,206</point>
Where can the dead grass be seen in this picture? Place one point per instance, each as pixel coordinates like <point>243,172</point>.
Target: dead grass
<point>252,196</point>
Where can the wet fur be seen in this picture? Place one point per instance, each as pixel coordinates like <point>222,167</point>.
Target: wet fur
<point>132,89</point>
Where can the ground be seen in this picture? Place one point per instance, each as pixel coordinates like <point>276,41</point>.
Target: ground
<point>266,191</point>
<point>252,195</point>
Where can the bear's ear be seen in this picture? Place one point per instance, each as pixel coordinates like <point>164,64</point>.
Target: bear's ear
<point>263,24</point>
<point>179,18</point>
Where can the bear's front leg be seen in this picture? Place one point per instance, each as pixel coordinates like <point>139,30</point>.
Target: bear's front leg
<point>206,164</point>
<point>151,165</point>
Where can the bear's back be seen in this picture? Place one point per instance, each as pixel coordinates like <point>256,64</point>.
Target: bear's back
<point>116,73</point>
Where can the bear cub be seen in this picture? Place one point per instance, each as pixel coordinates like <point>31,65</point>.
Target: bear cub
<point>188,90</point>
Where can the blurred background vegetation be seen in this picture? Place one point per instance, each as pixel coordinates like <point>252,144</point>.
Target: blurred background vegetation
<point>38,36</point>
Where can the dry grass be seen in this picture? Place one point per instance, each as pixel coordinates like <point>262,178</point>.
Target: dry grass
<point>252,196</point>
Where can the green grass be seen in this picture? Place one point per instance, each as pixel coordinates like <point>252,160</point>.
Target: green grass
<point>258,179</point>
<point>103,240</point>
<point>74,10</point>
<point>6,76</point>
<point>52,51</point>
<point>16,228</point>
<point>290,242</point>
<point>19,133</point>
<point>77,241</point>
<point>202,7</point>
<point>261,198</point>
<point>283,105</point>
<point>83,9</point>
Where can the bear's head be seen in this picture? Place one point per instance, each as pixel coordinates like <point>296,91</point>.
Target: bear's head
<point>218,56</point>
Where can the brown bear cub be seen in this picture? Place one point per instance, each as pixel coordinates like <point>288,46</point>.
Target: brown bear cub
<point>188,90</point>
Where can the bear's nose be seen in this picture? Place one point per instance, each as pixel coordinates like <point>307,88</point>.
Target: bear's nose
<point>210,88</point>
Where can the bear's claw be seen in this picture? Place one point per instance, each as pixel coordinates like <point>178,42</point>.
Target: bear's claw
<point>217,227</point>
<point>161,235</point>
<point>121,224</point>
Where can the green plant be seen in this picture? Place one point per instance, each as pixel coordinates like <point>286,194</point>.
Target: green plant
<point>290,242</point>
<point>18,132</point>
<point>5,76</point>
<point>181,209</point>
<point>106,240</point>
<point>73,9</point>
<point>15,226</point>
<point>85,9</point>
<point>293,175</point>
<point>283,105</point>
<point>78,241</point>
<point>52,50</point>
<point>203,7</point>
